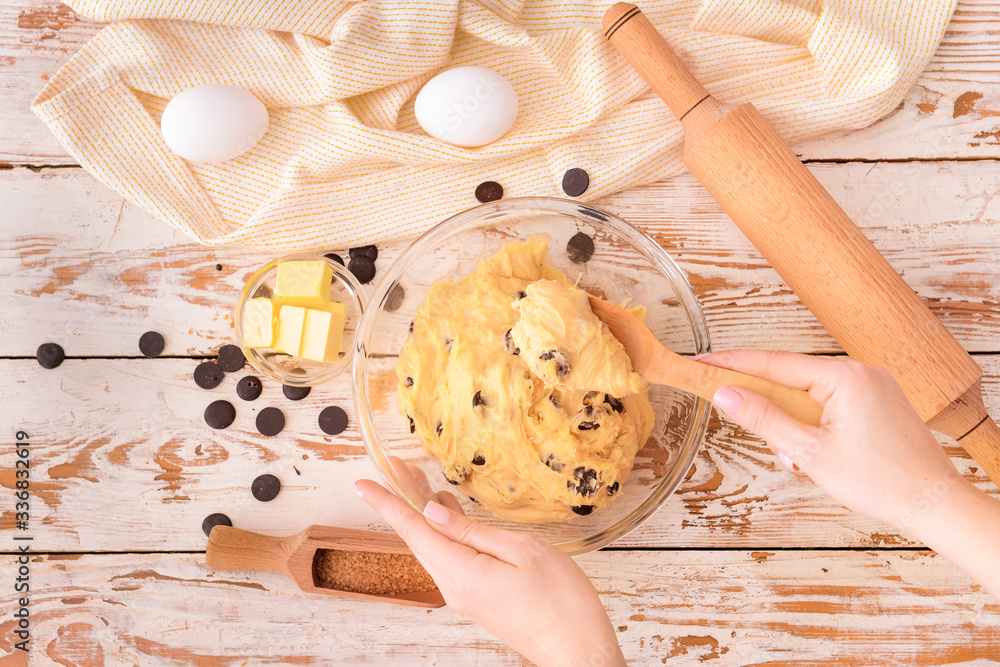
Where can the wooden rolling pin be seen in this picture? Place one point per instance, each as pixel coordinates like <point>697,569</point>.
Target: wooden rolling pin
<point>812,244</point>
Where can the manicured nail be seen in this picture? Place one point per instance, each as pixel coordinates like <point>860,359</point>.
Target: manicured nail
<point>699,356</point>
<point>436,513</point>
<point>787,462</point>
<point>728,400</point>
<point>354,487</point>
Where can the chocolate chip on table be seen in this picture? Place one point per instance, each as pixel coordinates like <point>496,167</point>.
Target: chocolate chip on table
<point>613,403</point>
<point>208,375</point>
<point>270,421</point>
<point>335,257</point>
<point>265,488</point>
<point>575,182</point>
<point>231,358</point>
<point>363,268</point>
<point>580,248</point>
<point>249,388</point>
<point>220,414</point>
<point>369,251</point>
<point>218,267</point>
<point>333,420</point>
<point>488,191</point>
<point>613,489</point>
<point>582,510</point>
<point>151,344</point>
<point>49,355</point>
<point>394,299</point>
<point>295,393</point>
<point>479,460</point>
<point>213,520</point>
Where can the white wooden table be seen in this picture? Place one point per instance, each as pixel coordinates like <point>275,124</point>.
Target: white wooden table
<point>747,564</point>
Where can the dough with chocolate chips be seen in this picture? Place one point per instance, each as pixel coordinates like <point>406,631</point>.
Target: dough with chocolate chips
<point>531,436</point>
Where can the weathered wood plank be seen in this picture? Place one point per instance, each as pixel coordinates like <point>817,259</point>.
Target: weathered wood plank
<point>91,272</point>
<point>120,445</point>
<point>951,112</point>
<point>730,608</point>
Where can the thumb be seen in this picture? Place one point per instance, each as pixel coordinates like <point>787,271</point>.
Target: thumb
<point>786,436</point>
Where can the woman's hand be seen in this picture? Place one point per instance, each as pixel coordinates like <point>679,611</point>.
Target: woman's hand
<point>871,452</point>
<point>523,590</point>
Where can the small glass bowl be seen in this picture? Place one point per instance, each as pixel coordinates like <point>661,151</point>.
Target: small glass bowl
<point>626,264</point>
<point>295,371</point>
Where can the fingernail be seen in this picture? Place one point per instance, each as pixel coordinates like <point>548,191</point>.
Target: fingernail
<point>787,462</point>
<point>354,487</point>
<point>436,513</point>
<point>728,400</point>
<point>699,356</point>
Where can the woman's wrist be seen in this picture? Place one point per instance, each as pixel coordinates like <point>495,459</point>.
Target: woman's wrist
<point>933,516</point>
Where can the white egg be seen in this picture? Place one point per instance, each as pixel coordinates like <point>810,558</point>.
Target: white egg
<point>466,106</point>
<point>213,123</point>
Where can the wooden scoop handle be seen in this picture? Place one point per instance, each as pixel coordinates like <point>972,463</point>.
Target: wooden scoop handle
<point>704,380</point>
<point>234,549</point>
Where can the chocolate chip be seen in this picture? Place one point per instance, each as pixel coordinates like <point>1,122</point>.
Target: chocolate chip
<point>231,358</point>
<point>588,410</point>
<point>411,327</point>
<point>582,510</point>
<point>589,426</point>
<point>363,269</point>
<point>369,251</point>
<point>295,393</point>
<point>270,421</point>
<point>575,182</point>
<point>213,520</point>
<point>49,355</point>
<point>409,382</point>
<point>151,344</point>
<point>479,460</point>
<point>220,414</point>
<point>613,489</point>
<point>521,294</point>
<point>560,359</point>
<point>580,248</point>
<point>553,462</point>
<point>450,480</point>
<point>448,342</point>
<point>335,257</point>
<point>439,428</point>
<point>333,420</point>
<point>613,403</point>
<point>413,426</point>
<point>586,481</point>
<point>589,397</point>
<point>554,402</point>
<point>249,388</point>
<point>265,488</point>
<point>218,267</point>
<point>508,344</point>
<point>394,299</point>
<point>473,500</point>
<point>208,375</point>
<point>477,399</point>
<point>488,191</point>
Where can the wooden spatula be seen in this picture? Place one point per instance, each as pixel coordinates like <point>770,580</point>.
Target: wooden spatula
<point>234,549</point>
<point>659,365</point>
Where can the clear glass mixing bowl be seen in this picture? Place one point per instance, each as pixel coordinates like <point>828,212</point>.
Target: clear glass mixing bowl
<point>627,264</point>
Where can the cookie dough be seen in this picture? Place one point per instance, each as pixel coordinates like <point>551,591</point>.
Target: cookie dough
<point>524,443</point>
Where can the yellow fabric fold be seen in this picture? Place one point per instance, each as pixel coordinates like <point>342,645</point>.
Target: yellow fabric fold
<point>344,161</point>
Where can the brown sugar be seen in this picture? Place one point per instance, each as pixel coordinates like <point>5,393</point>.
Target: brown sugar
<point>370,572</point>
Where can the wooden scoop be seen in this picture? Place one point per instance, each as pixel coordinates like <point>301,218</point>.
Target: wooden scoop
<point>234,549</point>
<point>659,365</point>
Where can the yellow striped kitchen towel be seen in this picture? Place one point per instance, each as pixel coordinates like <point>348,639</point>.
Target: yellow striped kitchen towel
<point>344,161</point>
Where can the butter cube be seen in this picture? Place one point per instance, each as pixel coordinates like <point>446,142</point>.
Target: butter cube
<point>260,320</point>
<point>305,284</point>
<point>323,333</point>
<point>291,320</point>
